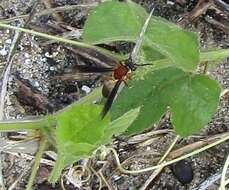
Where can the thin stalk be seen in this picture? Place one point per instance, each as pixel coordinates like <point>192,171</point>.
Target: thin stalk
<point>41,122</point>
<point>43,143</point>
<point>166,163</point>
<point>215,55</point>
<point>17,125</point>
<point>211,56</point>
<point>157,171</point>
<point>61,39</point>
<point>169,149</point>
<point>224,172</point>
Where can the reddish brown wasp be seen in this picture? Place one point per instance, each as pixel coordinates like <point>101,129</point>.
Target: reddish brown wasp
<point>120,72</point>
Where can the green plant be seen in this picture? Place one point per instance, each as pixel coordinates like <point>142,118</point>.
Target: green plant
<point>172,82</point>
<point>192,98</point>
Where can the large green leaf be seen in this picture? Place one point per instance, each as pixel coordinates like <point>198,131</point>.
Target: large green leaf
<point>114,21</point>
<point>119,21</point>
<point>80,131</point>
<point>192,100</point>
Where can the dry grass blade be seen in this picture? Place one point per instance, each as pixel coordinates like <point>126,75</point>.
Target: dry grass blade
<point>188,148</point>
<point>201,7</point>
<point>224,173</point>
<point>145,136</point>
<point>29,157</point>
<point>48,4</point>
<point>52,10</point>
<point>16,40</point>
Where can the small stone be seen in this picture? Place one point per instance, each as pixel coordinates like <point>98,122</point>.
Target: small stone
<point>48,55</point>
<point>27,55</point>
<point>27,61</point>
<point>170,3</point>
<point>8,41</point>
<point>36,84</point>
<point>55,54</point>
<point>51,68</point>
<point>183,171</point>
<point>86,89</point>
<point>3,51</point>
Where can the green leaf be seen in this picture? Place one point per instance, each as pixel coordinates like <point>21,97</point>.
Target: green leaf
<point>78,131</point>
<point>180,46</point>
<point>192,100</point>
<point>119,21</point>
<point>119,125</point>
<point>114,21</point>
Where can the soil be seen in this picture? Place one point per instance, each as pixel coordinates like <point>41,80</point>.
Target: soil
<point>34,90</point>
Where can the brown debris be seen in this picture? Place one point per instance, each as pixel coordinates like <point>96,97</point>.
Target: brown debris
<point>42,175</point>
<point>48,4</point>
<point>200,8</point>
<point>221,23</point>
<point>27,96</point>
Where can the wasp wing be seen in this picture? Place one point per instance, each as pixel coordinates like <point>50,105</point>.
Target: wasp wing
<point>111,98</point>
<point>138,44</point>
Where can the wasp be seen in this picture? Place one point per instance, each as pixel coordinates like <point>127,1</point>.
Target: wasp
<point>121,71</point>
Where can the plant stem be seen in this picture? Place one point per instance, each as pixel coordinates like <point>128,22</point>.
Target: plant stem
<point>61,39</point>
<point>224,172</point>
<point>209,56</point>
<point>166,163</point>
<point>43,142</point>
<point>41,122</point>
<point>16,125</point>
<point>215,55</point>
<point>157,171</point>
<point>169,149</point>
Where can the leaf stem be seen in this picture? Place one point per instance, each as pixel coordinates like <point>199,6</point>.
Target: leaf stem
<point>61,39</point>
<point>43,143</point>
<point>16,125</point>
<point>169,149</point>
<point>166,163</point>
<point>35,123</point>
<point>215,55</point>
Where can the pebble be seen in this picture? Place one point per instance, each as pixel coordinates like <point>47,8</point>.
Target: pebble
<point>8,41</point>
<point>183,171</point>
<point>3,51</point>
<point>36,84</point>
<point>86,89</point>
<point>27,61</point>
<point>27,55</point>
<point>51,68</point>
<point>48,55</point>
